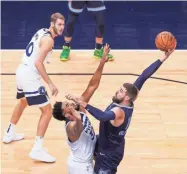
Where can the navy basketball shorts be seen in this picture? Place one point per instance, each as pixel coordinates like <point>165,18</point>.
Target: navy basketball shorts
<point>107,162</point>
<point>78,6</point>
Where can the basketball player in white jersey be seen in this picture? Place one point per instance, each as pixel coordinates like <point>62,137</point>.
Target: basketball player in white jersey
<point>81,137</point>
<point>30,88</point>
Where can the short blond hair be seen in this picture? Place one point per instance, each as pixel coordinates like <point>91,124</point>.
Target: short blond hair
<point>56,16</point>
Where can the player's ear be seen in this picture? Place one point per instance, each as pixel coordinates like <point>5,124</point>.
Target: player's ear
<point>52,24</point>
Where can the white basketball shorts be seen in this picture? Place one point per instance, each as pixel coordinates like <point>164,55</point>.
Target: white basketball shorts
<point>79,168</point>
<point>30,86</point>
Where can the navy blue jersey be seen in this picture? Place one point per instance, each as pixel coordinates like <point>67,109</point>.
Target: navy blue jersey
<point>111,142</point>
<point>111,137</point>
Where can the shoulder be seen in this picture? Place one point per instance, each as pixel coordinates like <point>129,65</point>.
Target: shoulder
<point>119,113</point>
<point>47,42</point>
<point>69,127</point>
<point>119,116</point>
<point>70,124</point>
<point>47,39</point>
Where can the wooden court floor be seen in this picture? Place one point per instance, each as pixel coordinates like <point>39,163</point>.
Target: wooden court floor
<point>156,142</point>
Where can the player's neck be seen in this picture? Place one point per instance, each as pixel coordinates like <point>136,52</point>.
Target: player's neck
<point>52,32</point>
<point>125,103</point>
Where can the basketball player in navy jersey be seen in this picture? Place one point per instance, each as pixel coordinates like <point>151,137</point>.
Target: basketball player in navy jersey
<point>115,120</point>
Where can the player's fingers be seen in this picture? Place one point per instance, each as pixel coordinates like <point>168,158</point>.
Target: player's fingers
<point>175,46</point>
<point>72,110</point>
<point>66,95</point>
<point>56,92</point>
<point>53,92</point>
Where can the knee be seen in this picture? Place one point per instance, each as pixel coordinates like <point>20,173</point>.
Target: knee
<point>46,110</point>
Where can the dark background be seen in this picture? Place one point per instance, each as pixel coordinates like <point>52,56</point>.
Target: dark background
<point>129,25</point>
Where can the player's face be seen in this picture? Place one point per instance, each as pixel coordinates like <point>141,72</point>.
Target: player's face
<point>59,27</point>
<point>120,95</point>
<point>66,109</point>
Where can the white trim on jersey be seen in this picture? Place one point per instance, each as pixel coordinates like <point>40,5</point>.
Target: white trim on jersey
<point>129,107</point>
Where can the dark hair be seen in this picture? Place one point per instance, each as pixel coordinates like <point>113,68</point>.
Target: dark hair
<point>58,112</point>
<point>132,91</point>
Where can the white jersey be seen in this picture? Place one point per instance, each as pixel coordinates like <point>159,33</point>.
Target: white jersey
<point>32,49</point>
<point>82,150</point>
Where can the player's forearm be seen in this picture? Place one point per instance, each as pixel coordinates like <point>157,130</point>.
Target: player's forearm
<point>41,69</point>
<point>95,80</point>
<point>99,114</point>
<point>147,73</point>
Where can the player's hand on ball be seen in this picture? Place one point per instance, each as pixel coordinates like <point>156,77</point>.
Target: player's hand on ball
<point>169,52</point>
<point>106,52</point>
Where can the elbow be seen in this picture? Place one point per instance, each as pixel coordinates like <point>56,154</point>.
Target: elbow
<point>94,87</point>
<point>94,84</point>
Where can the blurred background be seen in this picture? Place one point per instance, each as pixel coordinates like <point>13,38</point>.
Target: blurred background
<point>129,25</point>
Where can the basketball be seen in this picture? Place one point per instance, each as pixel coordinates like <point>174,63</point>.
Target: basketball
<point>165,41</point>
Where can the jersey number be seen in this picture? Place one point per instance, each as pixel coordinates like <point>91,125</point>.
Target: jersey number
<point>29,49</point>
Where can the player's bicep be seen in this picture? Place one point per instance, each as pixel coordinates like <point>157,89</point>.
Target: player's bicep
<point>119,113</point>
<point>119,116</point>
<point>46,45</point>
<point>70,129</point>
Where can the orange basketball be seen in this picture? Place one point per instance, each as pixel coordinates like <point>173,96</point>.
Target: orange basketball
<point>165,41</point>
